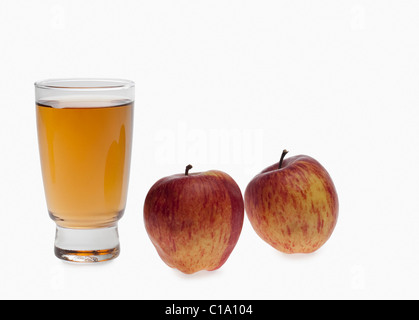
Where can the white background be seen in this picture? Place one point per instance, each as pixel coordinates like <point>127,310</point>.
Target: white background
<point>225,85</point>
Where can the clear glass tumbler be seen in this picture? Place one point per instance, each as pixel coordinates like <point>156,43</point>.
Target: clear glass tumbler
<point>85,136</point>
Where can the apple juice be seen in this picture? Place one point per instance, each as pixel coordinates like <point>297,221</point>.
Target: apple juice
<point>85,150</point>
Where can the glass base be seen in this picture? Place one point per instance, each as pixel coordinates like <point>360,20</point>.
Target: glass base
<point>87,245</point>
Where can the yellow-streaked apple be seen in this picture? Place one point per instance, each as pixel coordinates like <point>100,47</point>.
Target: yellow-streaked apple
<point>293,205</point>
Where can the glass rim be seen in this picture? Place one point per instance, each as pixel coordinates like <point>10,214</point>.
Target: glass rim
<point>84,84</point>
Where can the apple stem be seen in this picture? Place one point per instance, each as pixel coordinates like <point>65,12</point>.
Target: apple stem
<point>282,158</point>
<point>188,167</point>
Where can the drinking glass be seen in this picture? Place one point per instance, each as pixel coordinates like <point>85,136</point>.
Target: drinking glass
<point>85,135</point>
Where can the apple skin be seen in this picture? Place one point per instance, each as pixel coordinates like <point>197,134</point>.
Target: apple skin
<point>293,208</point>
<point>194,220</point>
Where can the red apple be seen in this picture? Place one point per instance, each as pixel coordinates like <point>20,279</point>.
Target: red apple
<point>293,205</point>
<point>194,220</point>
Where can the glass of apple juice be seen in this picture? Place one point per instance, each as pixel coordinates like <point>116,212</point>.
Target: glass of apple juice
<point>85,135</point>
